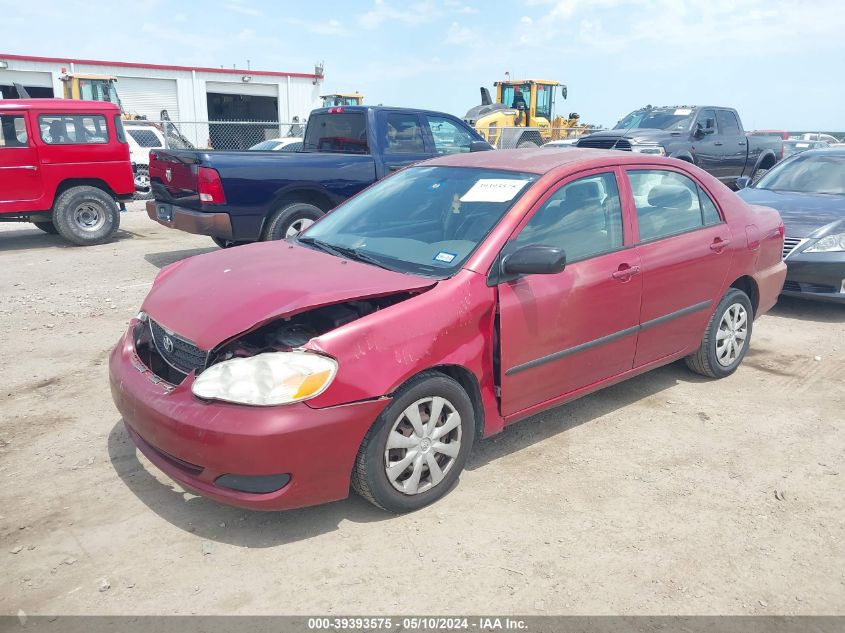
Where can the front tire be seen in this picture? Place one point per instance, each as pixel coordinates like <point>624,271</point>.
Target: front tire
<point>86,215</point>
<point>417,447</point>
<point>726,338</point>
<point>290,220</point>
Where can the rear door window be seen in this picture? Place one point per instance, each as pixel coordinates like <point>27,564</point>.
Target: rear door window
<point>12,131</point>
<point>728,125</point>
<point>669,203</point>
<point>403,134</point>
<point>73,129</point>
<point>343,132</point>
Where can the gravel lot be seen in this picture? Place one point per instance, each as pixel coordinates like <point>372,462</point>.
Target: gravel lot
<point>668,494</point>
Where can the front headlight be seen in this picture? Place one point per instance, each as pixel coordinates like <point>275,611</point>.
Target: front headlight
<point>654,149</point>
<point>830,244</point>
<point>267,379</point>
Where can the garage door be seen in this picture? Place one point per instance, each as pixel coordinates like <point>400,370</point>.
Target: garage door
<point>148,97</point>
<point>26,78</point>
<point>242,88</point>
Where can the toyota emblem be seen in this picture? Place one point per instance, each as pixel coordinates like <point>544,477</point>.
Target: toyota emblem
<point>167,343</point>
<point>168,173</point>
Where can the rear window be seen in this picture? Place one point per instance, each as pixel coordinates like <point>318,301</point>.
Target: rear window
<point>344,132</point>
<point>73,129</point>
<point>145,138</point>
<point>12,131</point>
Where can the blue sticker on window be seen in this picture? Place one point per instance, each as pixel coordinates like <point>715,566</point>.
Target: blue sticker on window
<point>445,257</point>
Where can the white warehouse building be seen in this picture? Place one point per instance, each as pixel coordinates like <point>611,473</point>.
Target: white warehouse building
<point>193,96</point>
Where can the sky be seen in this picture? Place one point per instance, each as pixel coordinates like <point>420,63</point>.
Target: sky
<point>779,62</point>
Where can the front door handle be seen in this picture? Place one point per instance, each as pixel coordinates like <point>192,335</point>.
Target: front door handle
<point>717,144</point>
<point>719,245</point>
<point>625,272</point>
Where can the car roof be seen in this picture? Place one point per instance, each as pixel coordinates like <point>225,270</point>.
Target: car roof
<point>365,108</point>
<point>64,105</point>
<point>824,151</point>
<point>542,161</point>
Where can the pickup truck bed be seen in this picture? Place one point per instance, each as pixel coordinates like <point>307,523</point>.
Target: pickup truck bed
<point>244,196</point>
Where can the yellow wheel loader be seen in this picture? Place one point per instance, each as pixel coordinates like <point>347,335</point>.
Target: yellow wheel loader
<point>522,115</point>
<point>342,99</point>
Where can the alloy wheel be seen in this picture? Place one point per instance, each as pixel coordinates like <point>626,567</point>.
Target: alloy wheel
<point>297,226</point>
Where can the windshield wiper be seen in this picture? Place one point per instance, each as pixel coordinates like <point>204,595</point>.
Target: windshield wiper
<point>323,246</point>
<point>359,255</point>
<point>345,251</point>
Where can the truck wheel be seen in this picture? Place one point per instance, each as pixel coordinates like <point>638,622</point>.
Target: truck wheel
<point>527,145</point>
<point>47,227</point>
<point>290,220</point>
<point>758,175</point>
<point>143,189</point>
<point>86,215</point>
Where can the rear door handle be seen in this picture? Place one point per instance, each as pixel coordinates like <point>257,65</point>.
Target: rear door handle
<point>719,244</point>
<point>717,144</point>
<point>625,272</point>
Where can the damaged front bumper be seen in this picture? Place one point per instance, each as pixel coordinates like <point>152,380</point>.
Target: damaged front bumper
<point>262,458</point>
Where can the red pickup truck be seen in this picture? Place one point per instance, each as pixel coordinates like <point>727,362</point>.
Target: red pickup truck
<point>64,166</point>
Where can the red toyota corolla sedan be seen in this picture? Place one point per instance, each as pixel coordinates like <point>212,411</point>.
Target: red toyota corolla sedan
<point>431,310</point>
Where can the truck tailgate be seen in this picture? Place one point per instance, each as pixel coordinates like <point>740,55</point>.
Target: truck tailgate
<point>173,176</point>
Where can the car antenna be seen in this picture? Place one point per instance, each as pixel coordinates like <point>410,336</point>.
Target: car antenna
<point>627,129</point>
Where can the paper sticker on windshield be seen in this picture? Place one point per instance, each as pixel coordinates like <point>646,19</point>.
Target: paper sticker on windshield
<point>493,190</point>
<point>683,111</point>
<point>445,257</point>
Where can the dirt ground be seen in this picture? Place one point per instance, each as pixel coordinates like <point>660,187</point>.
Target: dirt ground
<point>668,494</point>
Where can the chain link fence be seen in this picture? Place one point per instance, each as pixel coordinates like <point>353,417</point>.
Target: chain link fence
<point>217,135</point>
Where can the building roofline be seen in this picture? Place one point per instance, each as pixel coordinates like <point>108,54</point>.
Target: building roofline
<point>95,62</point>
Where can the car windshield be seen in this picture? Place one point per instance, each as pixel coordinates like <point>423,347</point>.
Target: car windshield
<point>423,220</point>
<point>668,119</point>
<point>807,173</point>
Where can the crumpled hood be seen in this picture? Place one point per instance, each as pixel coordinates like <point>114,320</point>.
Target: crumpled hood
<point>211,298</point>
<point>803,214</point>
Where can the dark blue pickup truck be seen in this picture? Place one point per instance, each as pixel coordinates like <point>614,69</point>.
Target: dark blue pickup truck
<point>236,197</point>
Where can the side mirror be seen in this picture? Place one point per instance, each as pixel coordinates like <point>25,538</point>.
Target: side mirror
<point>743,182</point>
<point>534,259</point>
<point>699,132</point>
<point>479,146</point>
<point>563,91</point>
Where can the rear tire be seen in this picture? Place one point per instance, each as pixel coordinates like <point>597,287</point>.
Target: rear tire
<point>47,227</point>
<point>86,215</point>
<point>758,175</point>
<point>290,220</point>
<point>143,188</point>
<point>527,145</point>
<point>726,338</point>
<point>433,459</point>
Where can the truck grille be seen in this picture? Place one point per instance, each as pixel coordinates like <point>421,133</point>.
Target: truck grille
<point>176,351</point>
<point>790,244</point>
<point>605,143</point>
